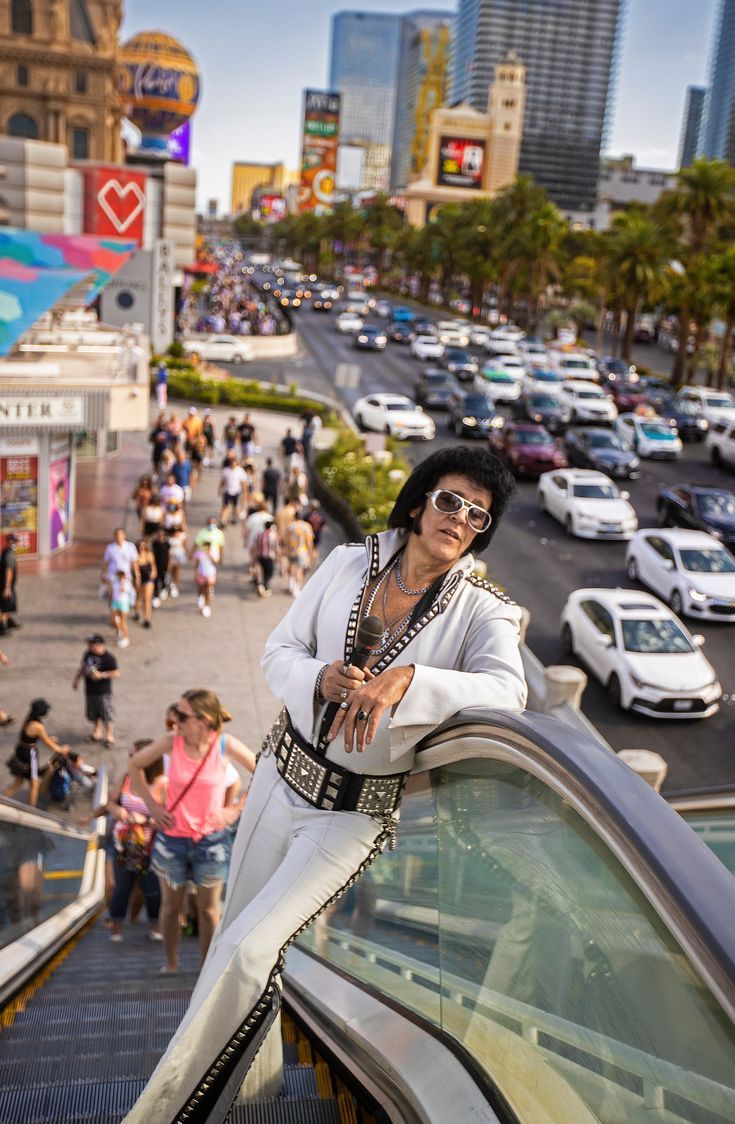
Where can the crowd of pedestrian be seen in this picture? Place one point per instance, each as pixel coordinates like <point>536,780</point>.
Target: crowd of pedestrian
<point>234,306</point>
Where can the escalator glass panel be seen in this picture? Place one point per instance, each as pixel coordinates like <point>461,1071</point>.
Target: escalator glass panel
<point>40,873</point>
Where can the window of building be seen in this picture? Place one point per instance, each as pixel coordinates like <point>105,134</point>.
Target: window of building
<point>23,125</point>
<point>21,17</point>
<point>21,76</point>
<point>80,82</point>
<point>80,144</point>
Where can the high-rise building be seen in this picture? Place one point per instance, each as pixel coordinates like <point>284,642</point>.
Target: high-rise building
<point>363,68</point>
<point>423,85</point>
<point>691,125</point>
<point>717,134</point>
<point>569,50</point>
<point>60,71</point>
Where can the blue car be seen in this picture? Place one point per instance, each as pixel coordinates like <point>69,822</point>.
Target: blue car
<point>400,313</point>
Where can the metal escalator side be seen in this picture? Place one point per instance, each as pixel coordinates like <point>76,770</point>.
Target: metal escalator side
<point>551,918</point>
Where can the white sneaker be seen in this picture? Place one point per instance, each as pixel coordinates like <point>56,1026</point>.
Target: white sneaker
<point>174,591</point>
<point>123,642</point>
<point>200,601</point>
<point>206,611</point>
<point>156,602</point>
<point>164,594</point>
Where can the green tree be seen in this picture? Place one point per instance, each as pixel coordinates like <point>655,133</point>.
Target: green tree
<point>722,279</point>
<point>383,224</point>
<point>635,254</point>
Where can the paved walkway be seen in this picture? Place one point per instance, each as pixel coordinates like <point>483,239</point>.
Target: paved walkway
<point>59,607</point>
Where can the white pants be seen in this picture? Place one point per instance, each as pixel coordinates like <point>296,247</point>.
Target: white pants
<point>289,860</point>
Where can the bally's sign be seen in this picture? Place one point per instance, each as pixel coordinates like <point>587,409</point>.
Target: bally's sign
<point>37,412</point>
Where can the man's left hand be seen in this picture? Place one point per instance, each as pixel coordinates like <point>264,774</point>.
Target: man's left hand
<point>372,699</point>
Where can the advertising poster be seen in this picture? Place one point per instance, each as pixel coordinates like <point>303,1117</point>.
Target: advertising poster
<point>461,162</point>
<point>59,473</point>
<point>179,144</point>
<point>19,501</point>
<point>319,151</point>
<point>272,208</point>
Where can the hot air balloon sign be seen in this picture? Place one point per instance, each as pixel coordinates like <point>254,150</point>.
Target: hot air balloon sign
<point>159,87</point>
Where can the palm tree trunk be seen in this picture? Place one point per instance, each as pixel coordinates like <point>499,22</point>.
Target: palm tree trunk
<point>725,348</point>
<point>694,358</point>
<point>677,373</point>
<point>630,313</point>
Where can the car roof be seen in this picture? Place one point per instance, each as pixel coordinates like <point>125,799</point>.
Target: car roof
<point>583,384</point>
<point>583,475</point>
<point>681,537</point>
<point>626,603</point>
<point>385,397</point>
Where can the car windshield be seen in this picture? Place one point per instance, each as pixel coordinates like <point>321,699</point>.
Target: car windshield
<point>547,376</point>
<point>498,376</point>
<point>595,492</point>
<point>719,401</point>
<point>589,394</point>
<point>605,441</point>
<point>437,379</point>
<point>576,364</point>
<point>717,505</point>
<point>476,403</point>
<point>618,366</point>
<point>707,561</point>
<point>655,638</point>
<point>658,432</point>
<point>399,406</point>
<point>543,402</point>
<point>458,355</point>
<point>533,437</point>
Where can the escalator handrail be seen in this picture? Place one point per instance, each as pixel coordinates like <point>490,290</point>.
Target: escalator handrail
<point>687,885</point>
<point>12,811</point>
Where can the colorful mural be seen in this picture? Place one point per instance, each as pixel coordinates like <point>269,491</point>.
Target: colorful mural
<point>37,270</point>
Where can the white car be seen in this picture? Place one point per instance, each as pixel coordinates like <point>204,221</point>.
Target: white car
<point>508,332</point>
<point>716,405</point>
<point>394,414</point>
<point>588,402</point>
<point>534,353</point>
<point>641,653</point>
<point>452,333</point>
<point>538,381</point>
<point>226,349</point>
<point>479,335</point>
<point>654,437</point>
<point>348,323</point>
<point>426,347</point>
<point>574,365</point>
<point>691,570</point>
<point>510,364</point>
<point>587,503</point>
<point>499,386</point>
<point>721,444</point>
<point>495,348</point>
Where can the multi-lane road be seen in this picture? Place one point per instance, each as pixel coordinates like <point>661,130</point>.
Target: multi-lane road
<point>539,565</point>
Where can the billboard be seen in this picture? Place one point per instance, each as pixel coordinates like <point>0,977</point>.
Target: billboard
<point>114,202</point>
<point>271,208</point>
<point>179,144</point>
<point>319,151</point>
<point>59,476</point>
<point>19,501</point>
<point>461,162</point>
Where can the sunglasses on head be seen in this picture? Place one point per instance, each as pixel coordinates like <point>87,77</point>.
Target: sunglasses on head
<point>449,503</point>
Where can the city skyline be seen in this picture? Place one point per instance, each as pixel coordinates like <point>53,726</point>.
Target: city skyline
<point>262,87</point>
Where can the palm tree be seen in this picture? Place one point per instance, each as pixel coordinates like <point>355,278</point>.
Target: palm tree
<point>345,227</point>
<point>636,252</point>
<point>722,266</point>
<point>383,224</point>
<point>702,202</point>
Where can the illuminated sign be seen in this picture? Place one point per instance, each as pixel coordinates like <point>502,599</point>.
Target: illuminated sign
<point>461,162</point>
<point>319,151</point>
<point>114,202</point>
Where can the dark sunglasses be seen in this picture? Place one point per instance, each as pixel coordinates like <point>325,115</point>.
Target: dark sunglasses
<point>181,715</point>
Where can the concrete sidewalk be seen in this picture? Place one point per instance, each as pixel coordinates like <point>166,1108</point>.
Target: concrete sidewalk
<point>59,609</point>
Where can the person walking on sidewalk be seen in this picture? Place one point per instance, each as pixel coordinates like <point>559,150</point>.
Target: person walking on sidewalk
<point>231,487</point>
<point>98,669</point>
<point>162,386</point>
<point>123,594</point>
<point>193,841</point>
<point>147,581</point>
<point>8,580</point>
<point>248,437</point>
<point>270,484</point>
<point>161,552</point>
<point>213,537</point>
<point>120,554</point>
<point>300,552</point>
<point>5,718</point>
<point>210,436</point>
<point>205,576</point>
<point>266,552</point>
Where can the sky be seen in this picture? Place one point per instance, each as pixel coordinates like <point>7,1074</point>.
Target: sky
<point>255,59</point>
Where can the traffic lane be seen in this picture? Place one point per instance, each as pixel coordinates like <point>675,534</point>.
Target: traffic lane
<point>540,565</point>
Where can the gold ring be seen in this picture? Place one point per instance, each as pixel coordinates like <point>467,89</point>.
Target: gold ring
<point>343,693</point>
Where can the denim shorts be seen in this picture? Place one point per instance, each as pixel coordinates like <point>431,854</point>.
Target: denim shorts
<point>180,859</point>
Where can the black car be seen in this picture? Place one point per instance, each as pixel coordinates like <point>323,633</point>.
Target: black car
<point>371,337</point>
<point>543,409</point>
<point>436,389</point>
<point>686,416</point>
<point>401,331</point>
<point>471,415</point>
<point>461,363</point>
<point>422,327</point>
<point>615,370</point>
<point>593,447</point>
<point>699,507</point>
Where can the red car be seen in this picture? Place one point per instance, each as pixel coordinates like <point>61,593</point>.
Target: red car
<point>528,450</point>
<point>626,395</point>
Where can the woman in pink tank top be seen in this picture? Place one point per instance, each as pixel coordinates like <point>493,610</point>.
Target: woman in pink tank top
<point>193,841</point>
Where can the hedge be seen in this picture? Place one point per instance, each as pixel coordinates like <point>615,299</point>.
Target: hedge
<point>186,383</point>
<point>363,482</point>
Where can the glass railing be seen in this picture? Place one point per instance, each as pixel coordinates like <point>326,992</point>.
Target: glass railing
<point>515,924</point>
<point>711,813</point>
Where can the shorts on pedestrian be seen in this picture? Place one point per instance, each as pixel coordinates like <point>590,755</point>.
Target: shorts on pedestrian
<point>231,500</point>
<point>180,859</point>
<point>99,708</point>
<point>120,605</point>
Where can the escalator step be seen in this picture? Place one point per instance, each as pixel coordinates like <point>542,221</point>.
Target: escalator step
<point>69,1102</point>
<point>90,1045</point>
<point>285,1112</point>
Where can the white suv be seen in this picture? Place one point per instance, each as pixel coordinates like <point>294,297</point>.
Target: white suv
<point>721,443</point>
<point>716,405</point>
<point>452,333</point>
<point>574,365</point>
<point>588,402</point>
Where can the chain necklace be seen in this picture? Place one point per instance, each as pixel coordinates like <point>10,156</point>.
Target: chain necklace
<point>402,585</point>
<point>388,636</point>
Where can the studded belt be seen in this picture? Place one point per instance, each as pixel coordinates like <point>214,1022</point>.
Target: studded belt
<point>326,785</point>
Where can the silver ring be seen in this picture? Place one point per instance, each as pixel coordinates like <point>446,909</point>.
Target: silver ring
<point>345,668</point>
<point>343,693</point>
<point>343,706</point>
<point>362,715</point>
